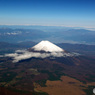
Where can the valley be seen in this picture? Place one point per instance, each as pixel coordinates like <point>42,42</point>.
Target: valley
<point>50,76</point>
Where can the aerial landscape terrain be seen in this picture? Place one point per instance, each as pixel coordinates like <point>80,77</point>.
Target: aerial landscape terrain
<point>47,47</point>
<point>43,68</point>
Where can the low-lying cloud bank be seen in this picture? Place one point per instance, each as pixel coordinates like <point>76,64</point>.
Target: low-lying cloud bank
<point>24,54</point>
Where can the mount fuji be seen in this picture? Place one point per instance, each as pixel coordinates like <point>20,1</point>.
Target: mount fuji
<point>43,49</point>
<point>46,46</point>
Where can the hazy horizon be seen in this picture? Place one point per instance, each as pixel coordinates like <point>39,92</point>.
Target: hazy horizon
<point>67,13</point>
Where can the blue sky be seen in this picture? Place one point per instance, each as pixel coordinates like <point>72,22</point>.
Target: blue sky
<point>77,13</point>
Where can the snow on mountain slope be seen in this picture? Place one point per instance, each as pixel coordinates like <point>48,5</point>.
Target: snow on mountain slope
<point>50,51</point>
<point>47,47</point>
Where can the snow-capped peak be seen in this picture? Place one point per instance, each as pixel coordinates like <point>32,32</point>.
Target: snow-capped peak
<point>47,47</point>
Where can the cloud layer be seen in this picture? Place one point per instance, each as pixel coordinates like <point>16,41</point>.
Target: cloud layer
<point>24,54</point>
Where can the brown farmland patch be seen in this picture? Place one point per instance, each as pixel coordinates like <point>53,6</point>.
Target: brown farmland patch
<point>68,86</point>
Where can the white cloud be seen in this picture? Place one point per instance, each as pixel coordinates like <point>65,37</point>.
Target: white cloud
<point>1,56</point>
<point>24,54</point>
<point>11,55</point>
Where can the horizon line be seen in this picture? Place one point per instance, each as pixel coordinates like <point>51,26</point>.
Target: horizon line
<point>80,27</point>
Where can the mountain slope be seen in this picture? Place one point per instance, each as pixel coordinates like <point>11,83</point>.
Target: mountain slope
<point>47,47</point>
